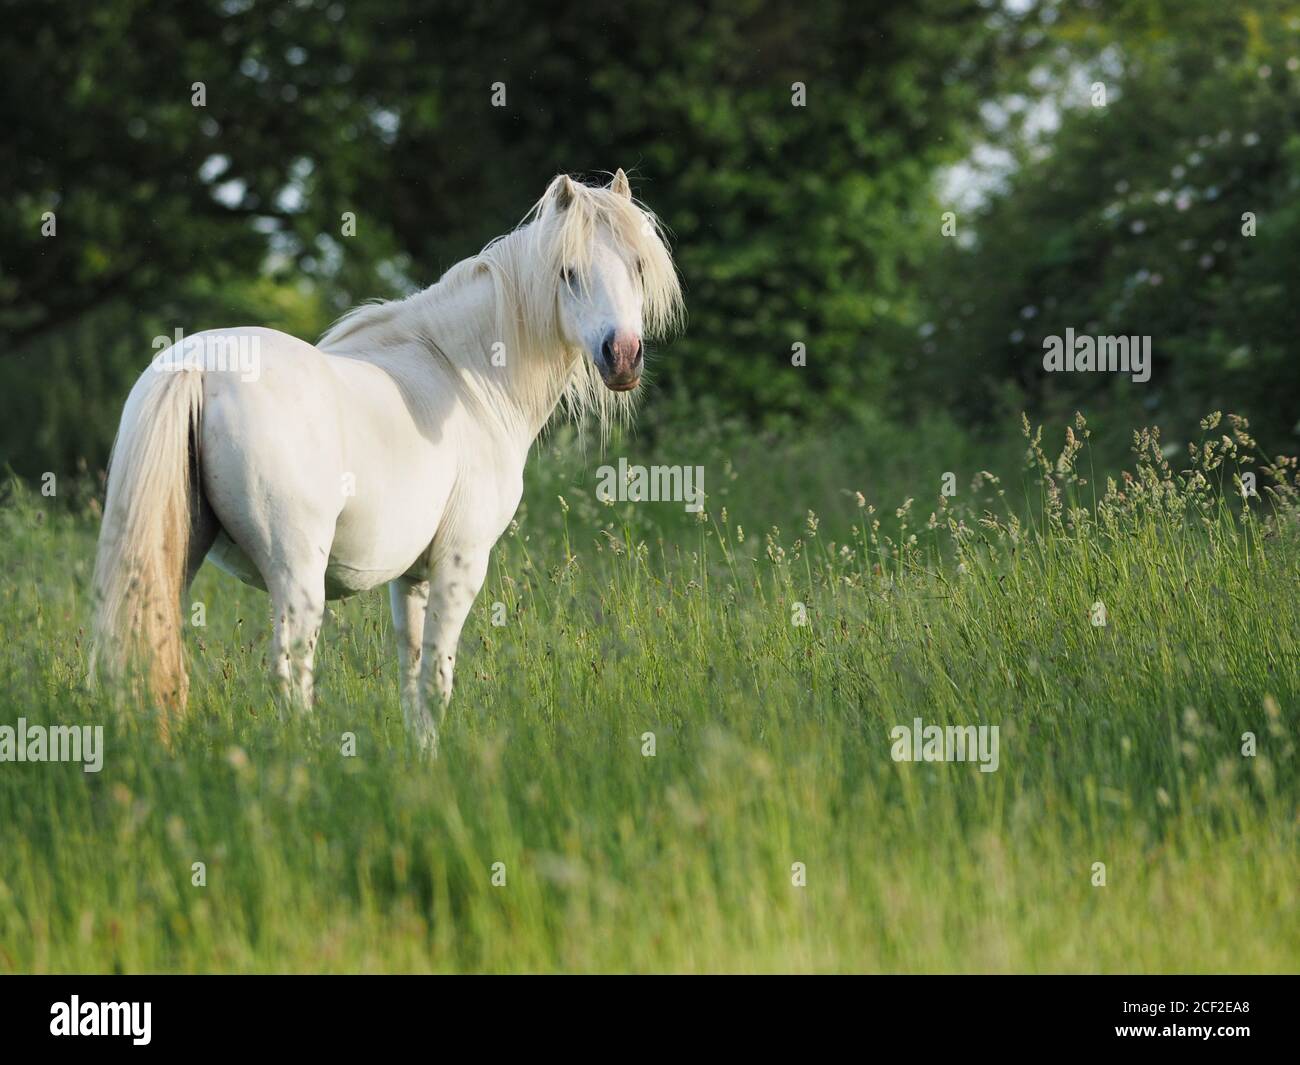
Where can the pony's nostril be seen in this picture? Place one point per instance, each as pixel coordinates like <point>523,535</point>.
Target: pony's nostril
<point>620,353</point>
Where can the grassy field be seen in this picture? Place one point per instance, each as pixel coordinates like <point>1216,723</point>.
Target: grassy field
<point>1120,743</point>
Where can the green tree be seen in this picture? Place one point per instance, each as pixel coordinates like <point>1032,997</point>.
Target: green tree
<point>1169,212</point>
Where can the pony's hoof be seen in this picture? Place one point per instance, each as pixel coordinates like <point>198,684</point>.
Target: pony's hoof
<point>426,741</point>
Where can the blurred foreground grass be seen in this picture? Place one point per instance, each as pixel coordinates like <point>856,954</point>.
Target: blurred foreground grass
<point>1120,744</point>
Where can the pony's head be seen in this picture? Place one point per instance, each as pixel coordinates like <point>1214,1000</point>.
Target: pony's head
<point>578,287</point>
<point>604,274</point>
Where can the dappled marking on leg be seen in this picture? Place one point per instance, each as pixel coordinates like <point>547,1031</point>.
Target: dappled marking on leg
<point>450,601</point>
<point>300,611</point>
<point>408,600</point>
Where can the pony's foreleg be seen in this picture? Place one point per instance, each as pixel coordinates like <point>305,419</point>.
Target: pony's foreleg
<point>457,578</point>
<point>409,600</point>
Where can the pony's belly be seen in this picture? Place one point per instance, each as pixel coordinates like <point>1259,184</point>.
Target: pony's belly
<point>341,579</point>
<point>374,544</point>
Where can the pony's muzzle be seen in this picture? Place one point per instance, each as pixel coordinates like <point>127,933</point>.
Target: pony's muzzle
<point>621,359</point>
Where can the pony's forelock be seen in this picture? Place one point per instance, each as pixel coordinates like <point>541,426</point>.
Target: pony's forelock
<point>563,226</point>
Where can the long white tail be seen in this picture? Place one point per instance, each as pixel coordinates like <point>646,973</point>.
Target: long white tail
<point>144,538</point>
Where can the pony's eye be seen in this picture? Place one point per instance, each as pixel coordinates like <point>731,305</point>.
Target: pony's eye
<point>567,276</point>
<point>640,269</point>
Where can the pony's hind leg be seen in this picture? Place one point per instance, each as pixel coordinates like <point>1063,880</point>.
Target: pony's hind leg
<point>298,599</point>
<point>292,565</point>
<point>291,562</point>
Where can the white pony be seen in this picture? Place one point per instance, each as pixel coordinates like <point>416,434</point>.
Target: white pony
<point>391,452</point>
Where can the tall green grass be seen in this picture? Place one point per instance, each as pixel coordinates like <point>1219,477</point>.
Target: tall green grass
<point>1120,744</point>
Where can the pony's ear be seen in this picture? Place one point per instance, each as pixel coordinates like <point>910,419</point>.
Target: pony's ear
<point>619,185</point>
<point>562,193</point>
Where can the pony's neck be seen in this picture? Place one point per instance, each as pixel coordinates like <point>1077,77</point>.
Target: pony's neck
<point>461,325</point>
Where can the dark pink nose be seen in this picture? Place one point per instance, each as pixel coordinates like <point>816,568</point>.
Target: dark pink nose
<point>621,359</point>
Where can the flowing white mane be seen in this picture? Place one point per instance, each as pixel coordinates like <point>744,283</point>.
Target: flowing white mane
<point>525,266</point>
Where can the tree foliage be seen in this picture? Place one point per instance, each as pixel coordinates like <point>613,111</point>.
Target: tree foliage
<point>792,224</point>
<point>1170,212</point>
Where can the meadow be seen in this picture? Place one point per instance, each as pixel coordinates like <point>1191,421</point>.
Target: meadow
<point>669,747</point>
